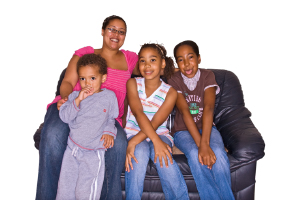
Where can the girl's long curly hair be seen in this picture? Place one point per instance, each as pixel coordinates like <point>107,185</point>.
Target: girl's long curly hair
<point>170,68</point>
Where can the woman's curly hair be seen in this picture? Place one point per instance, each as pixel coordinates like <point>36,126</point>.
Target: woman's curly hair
<point>93,59</point>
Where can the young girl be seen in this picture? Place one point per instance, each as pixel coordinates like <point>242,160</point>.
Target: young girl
<point>150,102</point>
<point>197,89</point>
<point>90,114</point>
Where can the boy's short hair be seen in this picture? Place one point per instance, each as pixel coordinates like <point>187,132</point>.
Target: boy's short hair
<point>93,59</point>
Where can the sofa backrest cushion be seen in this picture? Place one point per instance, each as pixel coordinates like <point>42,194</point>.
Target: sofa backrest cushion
<point>229,105</point>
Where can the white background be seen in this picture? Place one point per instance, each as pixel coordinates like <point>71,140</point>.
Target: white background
<point>257,40</point>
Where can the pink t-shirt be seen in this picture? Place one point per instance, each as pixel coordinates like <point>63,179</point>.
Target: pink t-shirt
<point>115,81</point>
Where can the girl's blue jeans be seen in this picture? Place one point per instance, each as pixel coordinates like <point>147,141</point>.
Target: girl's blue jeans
<point>52,146</point>
<point>172,181</point>
<point>211,184</point>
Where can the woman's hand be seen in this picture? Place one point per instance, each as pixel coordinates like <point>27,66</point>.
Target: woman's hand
<point>129,155</point>
<point>61,102</point>
<point>162,150</point>
<point>108,141</point>
<point>206,155</point>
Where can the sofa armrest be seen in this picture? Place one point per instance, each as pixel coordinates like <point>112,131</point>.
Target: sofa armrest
<point>62,75</point>
<point>37,136</point>
<point>243,141</point>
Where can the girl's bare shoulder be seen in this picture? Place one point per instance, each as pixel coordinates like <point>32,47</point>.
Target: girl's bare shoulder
<point>172,93</point>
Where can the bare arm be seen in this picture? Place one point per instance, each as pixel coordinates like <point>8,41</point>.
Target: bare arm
<point>137,110</point>
<point>208,114</point>
<point>205,152</point>
<point>125,112</point>
<point>136,70</point>
<point>148,128</point>
<point>160,116</point>
<point>183,108</point>
<point>69,81</point>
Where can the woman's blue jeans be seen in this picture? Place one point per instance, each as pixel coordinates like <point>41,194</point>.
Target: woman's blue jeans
<point>211,184</point>
<point>172,181</point>
<point>52,147</point>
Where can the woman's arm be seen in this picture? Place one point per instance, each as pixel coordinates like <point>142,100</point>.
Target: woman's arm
<point>69,81</point>
<point>124,116</point>
<point>136,70</point>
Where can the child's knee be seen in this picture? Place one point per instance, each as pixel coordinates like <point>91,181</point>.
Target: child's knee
<point>157,164</point>
<point>193,155</point>
<point>142,152</point>
<point>219,150</point>
<point>222,158</point>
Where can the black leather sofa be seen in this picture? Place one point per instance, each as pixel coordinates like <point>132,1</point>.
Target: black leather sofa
<point>244,143</point>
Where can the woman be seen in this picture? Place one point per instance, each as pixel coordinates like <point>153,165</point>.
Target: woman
<point>55,132</point>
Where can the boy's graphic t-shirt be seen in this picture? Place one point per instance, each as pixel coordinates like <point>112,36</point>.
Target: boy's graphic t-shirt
<point>193,98</point>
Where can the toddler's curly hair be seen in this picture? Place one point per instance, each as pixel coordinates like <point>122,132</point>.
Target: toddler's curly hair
<point>93,59</point>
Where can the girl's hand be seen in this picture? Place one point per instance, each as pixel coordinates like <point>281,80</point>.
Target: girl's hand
<point>108,141</point>
<point>206,155</point>
<point>162,150</point>
<point>61,102</point>
<point>129,155</point>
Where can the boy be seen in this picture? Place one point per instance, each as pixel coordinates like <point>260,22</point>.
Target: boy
<point>91,114</point>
